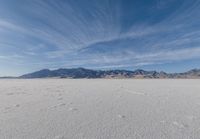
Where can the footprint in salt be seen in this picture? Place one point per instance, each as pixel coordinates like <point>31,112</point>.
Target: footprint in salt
<point>7,108</point>
<point>179,125</point>
<point>73,109</point>
<point>59,94</point>
<point>60,98</point>
<point>62,104</point>
<point>163,122</point>
<point>9,94</point>
<point>121,116</point>
<point>59,137</point>
<point>53,107</point>
<point>17,105</point>
<point>191,117</point>
<point>58,105</point>
<point>119,95</point>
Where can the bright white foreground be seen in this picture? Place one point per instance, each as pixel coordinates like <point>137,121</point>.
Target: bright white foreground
<point>99,109</point>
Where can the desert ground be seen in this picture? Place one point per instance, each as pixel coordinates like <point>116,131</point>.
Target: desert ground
<point>99,109</point>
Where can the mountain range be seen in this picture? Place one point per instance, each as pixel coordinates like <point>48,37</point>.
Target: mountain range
<point>75,73</point>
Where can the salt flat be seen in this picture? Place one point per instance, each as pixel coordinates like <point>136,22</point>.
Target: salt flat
<point>99,109</point>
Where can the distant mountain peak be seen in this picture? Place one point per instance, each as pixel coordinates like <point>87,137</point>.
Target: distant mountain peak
<point>45,70</point>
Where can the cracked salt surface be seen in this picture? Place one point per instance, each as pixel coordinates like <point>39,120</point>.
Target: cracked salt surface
<point>99,109</point>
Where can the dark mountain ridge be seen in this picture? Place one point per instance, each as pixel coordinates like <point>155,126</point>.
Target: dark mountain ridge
<point>88,73</point>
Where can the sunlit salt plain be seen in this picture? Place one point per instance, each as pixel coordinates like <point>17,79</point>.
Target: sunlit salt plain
<point>99,109</point>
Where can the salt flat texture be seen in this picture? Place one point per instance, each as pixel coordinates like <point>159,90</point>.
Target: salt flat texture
<point>99,109</point>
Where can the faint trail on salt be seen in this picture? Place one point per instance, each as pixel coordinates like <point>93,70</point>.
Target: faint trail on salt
<point>122,89</point>
<point>135,93</point>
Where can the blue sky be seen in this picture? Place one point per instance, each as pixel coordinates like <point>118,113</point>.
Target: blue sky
<point>99,34</point>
